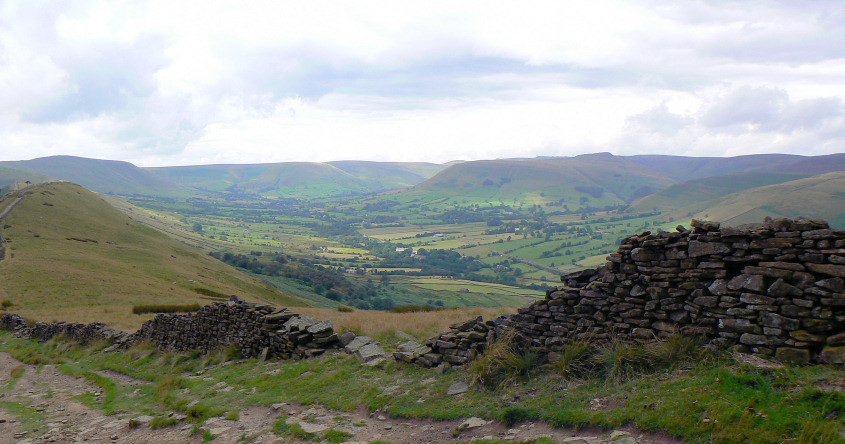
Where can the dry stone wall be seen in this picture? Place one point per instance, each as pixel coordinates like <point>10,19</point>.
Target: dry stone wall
<point>775,289</point>
<point>258,330</point>
<point>772,289</point>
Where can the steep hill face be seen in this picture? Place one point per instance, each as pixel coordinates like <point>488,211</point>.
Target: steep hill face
<point>690,168</point>
<point>595,180</point>
<point>104,176</point>
<point>821,196</point>
<point>300,179</point>
<point>72,256</point>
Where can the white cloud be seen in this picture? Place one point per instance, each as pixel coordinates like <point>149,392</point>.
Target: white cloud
<point>163,82</point>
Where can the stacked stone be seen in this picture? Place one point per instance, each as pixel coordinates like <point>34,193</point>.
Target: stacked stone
<point>43,331</point>
<point>257,329</point>
<point>772,289</point>
<point>461,344</point>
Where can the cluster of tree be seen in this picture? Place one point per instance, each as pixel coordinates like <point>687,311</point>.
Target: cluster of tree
<point>333,283</point>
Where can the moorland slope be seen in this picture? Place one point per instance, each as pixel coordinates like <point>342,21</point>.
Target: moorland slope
<point>74,257</point>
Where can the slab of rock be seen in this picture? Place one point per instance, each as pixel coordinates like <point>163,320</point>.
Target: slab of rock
<point>473,423</point>
<point>357,343</point>
<point>408,351</point>
<point>457,388</point>
<point>369,352</point>
<point>310,427</point>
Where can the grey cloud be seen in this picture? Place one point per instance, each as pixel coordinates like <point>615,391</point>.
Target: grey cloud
<point>107,77</point>
<point>770,110</point>
<point>661,120</point>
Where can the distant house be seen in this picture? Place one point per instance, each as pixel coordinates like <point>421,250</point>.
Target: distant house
<point>438,234</point>
<point>400,249</point>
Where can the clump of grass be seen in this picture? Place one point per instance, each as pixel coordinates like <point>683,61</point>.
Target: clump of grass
<point>141,309</point>
<point>282,428</point>
<point>336,436</point>
<point>575,360</point>
<point>207,436</point>
<point>6,304</point>
<point>515,415</point>
<point>619,360</point>
<point>162,421</point>
<point>345,309</point>
<point>16,371</point>
<point>501,365</point>
<point>232,416</point>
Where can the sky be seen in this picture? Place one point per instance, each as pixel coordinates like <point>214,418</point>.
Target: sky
<point>161,83</point>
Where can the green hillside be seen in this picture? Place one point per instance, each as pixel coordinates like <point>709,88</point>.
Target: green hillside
<point>72,256</point>
<point>300,179</point>
<point>681,168</point>
<point>819,196</point>
<point>693,194</point>
<point>104,176</point>
<point>595,180</point>
<point>8,176</point>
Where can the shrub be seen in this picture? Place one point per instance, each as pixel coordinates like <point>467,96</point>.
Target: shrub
<point>345,309</point>
<point>6,304</point>
<point>414,309</point>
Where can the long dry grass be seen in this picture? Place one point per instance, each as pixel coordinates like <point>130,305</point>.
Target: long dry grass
<point>419,324</point>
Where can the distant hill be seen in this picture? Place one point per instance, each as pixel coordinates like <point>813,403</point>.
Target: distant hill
<point>72,256</point>
<point>821,196</point>
<point>689,168</point>
<point>694,193</point>
<point>595,180</point>
<point>300,179</point>
<point>9,176</point>
<point>104,176</point>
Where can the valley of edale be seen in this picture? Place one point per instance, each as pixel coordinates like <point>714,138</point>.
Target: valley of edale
<point>401,222</point>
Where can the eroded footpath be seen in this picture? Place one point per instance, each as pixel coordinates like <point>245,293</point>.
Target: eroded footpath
<point>40,403</point>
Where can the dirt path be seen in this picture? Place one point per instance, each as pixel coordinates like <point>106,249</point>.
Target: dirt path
<point>38,406</point>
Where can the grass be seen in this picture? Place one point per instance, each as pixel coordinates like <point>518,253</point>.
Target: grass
<point>697,400</point>
<point>48,275</point>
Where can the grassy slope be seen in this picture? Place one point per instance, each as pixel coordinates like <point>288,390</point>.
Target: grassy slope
<point>544,180</point>
<point>9,176</point>
<point>48,275</point>
<point>696,191</point>
<point>818,196</point>
<point>687,168</point>
<point>301,179</point>
<point>104,176</point>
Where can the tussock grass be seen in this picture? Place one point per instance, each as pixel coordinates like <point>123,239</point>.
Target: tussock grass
<point>501,365</point>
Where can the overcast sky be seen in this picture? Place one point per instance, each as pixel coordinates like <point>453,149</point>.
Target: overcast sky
<point>182,82</point>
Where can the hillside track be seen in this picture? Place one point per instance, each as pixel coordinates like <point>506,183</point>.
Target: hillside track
<point>41,403</point>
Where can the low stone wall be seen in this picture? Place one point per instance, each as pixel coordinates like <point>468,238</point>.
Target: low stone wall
<point>42,331</point>
<point>774,289</point>
<point>258,330</point>
<point>463,343</point>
